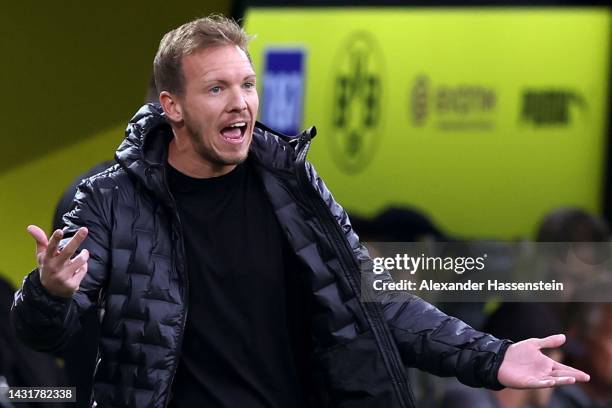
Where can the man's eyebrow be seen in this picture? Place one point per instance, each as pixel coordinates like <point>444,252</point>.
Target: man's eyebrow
<point>214,80</point>
<point>224,82</point>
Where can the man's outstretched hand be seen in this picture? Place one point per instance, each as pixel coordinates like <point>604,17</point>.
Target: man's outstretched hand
<point>525,366</point>
<point>60,273</point>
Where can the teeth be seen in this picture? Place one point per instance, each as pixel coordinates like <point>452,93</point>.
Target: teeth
<point>238,124</point>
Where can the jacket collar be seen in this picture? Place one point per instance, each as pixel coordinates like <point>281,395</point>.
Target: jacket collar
<point>143,152</point>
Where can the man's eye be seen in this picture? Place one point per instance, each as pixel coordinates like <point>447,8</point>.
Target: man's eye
<point>249,85</point>
<point>215,89</point>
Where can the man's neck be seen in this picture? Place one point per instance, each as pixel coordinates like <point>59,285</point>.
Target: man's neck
<point>185,159</point>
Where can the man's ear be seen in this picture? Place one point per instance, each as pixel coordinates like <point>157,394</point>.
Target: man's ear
<point>172,106</point>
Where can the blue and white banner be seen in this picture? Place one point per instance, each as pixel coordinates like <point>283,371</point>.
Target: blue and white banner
<point>283,89</point>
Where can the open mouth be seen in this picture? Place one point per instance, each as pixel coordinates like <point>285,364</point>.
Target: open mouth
<point>234,133</point>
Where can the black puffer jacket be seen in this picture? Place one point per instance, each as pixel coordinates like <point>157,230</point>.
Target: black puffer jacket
<point>137,272</point>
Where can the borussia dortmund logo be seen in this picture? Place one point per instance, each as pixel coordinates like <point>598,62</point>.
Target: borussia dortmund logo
<point>357,103</point>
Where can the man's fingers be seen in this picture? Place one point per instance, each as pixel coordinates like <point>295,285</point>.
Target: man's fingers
<point>545,382</point>
<point>564,373</point>
<point>40,237</point>
<point>561,366</point>
<point>78,276</point>
<point>80,273</point>
<point>54,241</point>
<point>76,263</point>
<point>553,341</point>
<point>73,244</point>
<point>564,380</point>
<point>549,381</point>
<point>558,377</point>
<point>564,370</point>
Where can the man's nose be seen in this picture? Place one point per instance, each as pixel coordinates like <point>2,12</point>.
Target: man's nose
<point>237,102</point>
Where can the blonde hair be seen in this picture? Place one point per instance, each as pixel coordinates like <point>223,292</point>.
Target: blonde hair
<point>205,32</point>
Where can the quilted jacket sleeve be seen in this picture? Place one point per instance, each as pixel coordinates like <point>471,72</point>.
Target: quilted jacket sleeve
<point>45,322</point>
<point>426,337</point>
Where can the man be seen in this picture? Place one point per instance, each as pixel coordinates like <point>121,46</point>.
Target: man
<point>19,365</point>
<point>590,328</point>
<point>228,274</point>
<point>515,321</point>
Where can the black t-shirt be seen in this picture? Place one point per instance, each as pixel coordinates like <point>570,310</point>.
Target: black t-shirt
<point>240,341</point>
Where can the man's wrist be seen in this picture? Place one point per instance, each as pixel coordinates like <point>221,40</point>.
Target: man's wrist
<point>40,289</point>
<point>496,385</point>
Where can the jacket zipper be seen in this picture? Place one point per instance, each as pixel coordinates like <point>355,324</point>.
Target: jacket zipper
<point>179,234</point>
<point>338,241</point>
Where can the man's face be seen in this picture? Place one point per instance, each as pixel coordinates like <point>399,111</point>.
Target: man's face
<point>219,104</point>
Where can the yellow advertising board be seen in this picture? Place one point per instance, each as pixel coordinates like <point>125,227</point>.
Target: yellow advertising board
<point>483,118</point>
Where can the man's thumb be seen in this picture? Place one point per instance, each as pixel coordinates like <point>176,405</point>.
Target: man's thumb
<point>553,341</point>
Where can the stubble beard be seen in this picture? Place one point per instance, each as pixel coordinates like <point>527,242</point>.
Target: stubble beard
<point>196,134</point>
